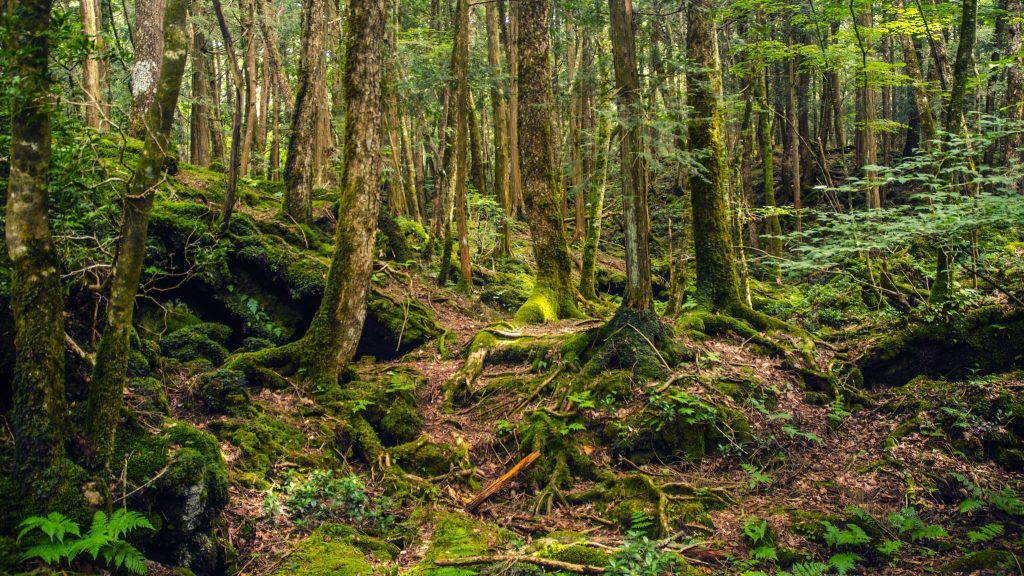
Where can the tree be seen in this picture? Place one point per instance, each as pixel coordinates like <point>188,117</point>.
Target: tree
<point>553,295</point>
<point>956,123</point>
<point>638,295</point>
<point>148,39</point>
<point>499,116</point>
<point>37,301</point>
<point>299,171</point>
<point>108,376</point>
<point>332,337</point>
<point>95,103</point>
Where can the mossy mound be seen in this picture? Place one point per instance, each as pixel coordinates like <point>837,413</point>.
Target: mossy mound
<point>265,440</point>
<point>982,341</point>
<point>982,418</point>
<point>982,561</point>
<point>393,328</point>
<point>634,340</point>
<point>336,550</point>
<point>178,480</point>
<point>456,535</point>
<point>199,341</point>
<point>677,424</point>
<point>507,291</point>
<point>428,459</point>
<point>222,391</point>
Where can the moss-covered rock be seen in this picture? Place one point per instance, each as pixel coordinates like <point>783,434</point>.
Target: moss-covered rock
<point>393,328</point>
<point>148,399</point>
<point>401,423</point>
<point>180,482</point>
<point>575,554</point>
<point>204,340</point>
<point>988,561</point>
<point>426,458</point>
<point>222,391</point>
<point>456,535</point>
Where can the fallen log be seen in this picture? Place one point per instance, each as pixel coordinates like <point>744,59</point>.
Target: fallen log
<point>500,483</point>
<point>516,559</point>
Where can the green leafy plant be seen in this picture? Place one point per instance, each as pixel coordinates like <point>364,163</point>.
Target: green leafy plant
<point>104,542</point>
<point>806,569</point>
<point>907,522</point>
<point>639,556</point>
<point>793,431</point>
<point>986,533</point>
<point>852,535</point>
<point>321,496</point>
<point>755,476</point>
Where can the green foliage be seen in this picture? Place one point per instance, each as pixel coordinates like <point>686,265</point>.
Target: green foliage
<point>907,522</point>
<point>986,533</point>
<point>104,541</point>
<point>756,478</point>
<point>638,555</point>
<point>1005,500</point>
<point>844,562</point>
<point>852,535</point>
<point>806,569</point>
<point>322,496</point>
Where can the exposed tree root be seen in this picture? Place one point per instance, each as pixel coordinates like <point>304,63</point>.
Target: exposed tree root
<point>635,340</point>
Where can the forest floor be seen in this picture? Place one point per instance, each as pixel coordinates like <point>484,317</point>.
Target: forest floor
<point>818,470</point>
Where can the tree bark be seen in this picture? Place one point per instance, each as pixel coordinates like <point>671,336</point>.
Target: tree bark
<point>499,114</point>
<point>234,167</point>
<point>1015,80</point>
<point>149,46</point>
<point>199,119</point>
<point>717,281</point>
<point>461,161</point>
<point>91,75</point>
<point>37,301</point>
<point>108,376</point>
<point>300,169</point>
<point>595,206</point>
<point>866,143</point>
<point>638,294</point>
<point>553,294</point>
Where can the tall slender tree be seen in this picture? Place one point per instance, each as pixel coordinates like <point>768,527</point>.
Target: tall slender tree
<point>108,377</point>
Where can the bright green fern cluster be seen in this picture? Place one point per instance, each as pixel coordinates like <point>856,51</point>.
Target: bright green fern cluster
<point>64,542</point>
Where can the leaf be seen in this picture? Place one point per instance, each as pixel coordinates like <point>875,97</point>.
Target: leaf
<point>844,562</point>
<point>970,505</point>
<point>929,532</point>
<point>986,533</point>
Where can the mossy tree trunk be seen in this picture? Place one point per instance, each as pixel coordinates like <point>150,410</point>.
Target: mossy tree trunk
<point>499,114</point>
<point>912,66</point>
<point>638,294</point>
<point>764,124</point>
<point>37,301</point>
<point>334,333</point>
<point>717,281</point>
<point>299,171</point>
<point>148,42</point>
<point>108,376</point>
<point>595,205</point>
<point>553,294</point>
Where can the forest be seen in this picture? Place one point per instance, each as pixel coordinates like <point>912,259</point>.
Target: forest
<point>512,287</point>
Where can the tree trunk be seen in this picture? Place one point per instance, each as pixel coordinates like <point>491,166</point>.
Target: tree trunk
<point>334,333</point>
<point>793,139</point>
<point>956,123</point>
<point>515,163</point>
<point>913,70</point>
<point>638,295</point>
<point>37,300</point>
<point>91,80</point>
<point>149,46</point>
<point>1015,81</point>
<point>249,36</point>
<point>199,119</point>
<point>866,144</point>
<point>717,280</point>
<point>553,294</point>
<point>299,168</point>
<point>231,188</point>
<point>461,161</point>
<point>108,376</point>
<point>216,122</point>
<point>595,206</point>
<point>499,114</point>
<point>772,227</point>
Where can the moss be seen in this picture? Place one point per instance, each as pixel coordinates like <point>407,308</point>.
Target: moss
<point>576,554</point>
<point>262,441</point>
<point>306,278</point>
<point>507,291</point>
<point>148,397</point>
<point>10,551</point>
<point>615,384</point>
<point>563,460</point>
<point>456,535</point>
<point>138,365</point>
<point>222,391</point>
<point>394,328</point>
<point>204,340</point>
<point>980,560</point>
<point>180,483</point>
<point>541,307</point>
<point>402,423</point>
<point>425,458</point>
<point>335,550</point>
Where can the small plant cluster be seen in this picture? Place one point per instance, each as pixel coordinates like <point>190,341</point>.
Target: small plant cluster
<point>639,556</point>
<point>322,496</point>
<point>58,540</point>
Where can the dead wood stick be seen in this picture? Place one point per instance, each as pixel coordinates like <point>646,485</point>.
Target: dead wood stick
<point>514,558</point>
<point>522,403</point>
<point>501,482</point>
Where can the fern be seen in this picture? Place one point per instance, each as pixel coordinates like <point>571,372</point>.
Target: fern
<point>806,569</point>
<point>766,552</point>
<point>755,529</point>
<point>929,532</point>
<point>104,539</point>
<point>851,536</point>
<point>971,504</point>
<point>844,562</point>
<point>890,547</point>
<point>986,533</point>
<point>1007,501</point>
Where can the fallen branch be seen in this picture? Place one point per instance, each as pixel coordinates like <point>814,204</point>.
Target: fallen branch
<point>500,483</point>
<point>519,559</point>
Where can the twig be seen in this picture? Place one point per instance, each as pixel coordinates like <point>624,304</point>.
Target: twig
<point>501,482</point>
